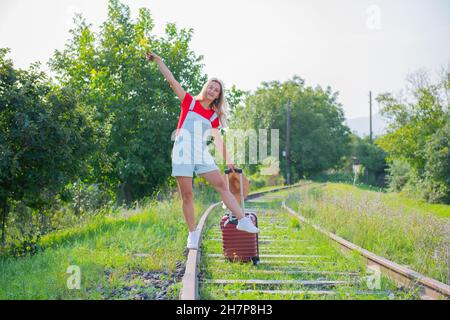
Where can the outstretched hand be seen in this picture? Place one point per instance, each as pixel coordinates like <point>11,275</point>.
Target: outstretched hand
<point>150,56</point>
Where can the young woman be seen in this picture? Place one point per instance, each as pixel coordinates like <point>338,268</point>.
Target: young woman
<point>204,112</point>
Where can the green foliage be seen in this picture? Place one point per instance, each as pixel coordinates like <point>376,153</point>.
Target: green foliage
<point>399,175</point>
<point>437,167</point>
<point>101,134</point>
<point>372,158</point>
<point>370,155</point>
<point>235,98</point>
<point>107,251</point>
<point>46,137</point>
<point>334,176</point>
<point>418,135</point>
<point>134,107</point>
<point>258,180</point>
<point>83,198</point>
<point>319,138</point>
<point>426,188</point>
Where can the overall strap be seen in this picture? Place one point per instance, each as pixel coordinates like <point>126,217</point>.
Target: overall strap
<point>191,107</point>
<point>213,117</point>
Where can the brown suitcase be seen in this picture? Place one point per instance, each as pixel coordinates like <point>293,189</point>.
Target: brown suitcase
<point>239,245</point>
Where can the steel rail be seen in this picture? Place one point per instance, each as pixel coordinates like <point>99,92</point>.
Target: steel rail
<point>429,289</point>
<point>189,289</point>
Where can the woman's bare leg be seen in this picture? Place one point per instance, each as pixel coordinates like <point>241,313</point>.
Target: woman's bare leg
<point>185,189</point>
<point>216,180</point>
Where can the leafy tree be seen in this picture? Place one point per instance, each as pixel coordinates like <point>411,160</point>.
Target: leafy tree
<point>399,175</point>
<point>437,153</point>
<point>437,167</point>
<point>319,138</point>
<point>373,159</point>
<point>235,98</point>
<point>416,134</point>
<point>134,107</point>
<point>45,137</point>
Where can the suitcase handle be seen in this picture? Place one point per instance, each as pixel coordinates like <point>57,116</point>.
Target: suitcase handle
<point>227,171</point>
<point>240,171</point>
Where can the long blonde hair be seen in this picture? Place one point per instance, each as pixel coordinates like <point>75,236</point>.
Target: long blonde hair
<point>219,105</point>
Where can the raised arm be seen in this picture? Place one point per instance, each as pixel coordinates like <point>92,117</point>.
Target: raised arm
<point>176,87</point>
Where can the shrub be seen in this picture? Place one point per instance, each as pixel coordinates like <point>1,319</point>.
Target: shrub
<point>399,175</point>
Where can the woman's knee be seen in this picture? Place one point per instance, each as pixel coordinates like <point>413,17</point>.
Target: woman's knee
<point>187,196</point>
<point>185,188</point>
<point>220,186</point>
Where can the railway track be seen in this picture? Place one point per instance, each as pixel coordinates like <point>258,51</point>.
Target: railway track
<point>298,260</point>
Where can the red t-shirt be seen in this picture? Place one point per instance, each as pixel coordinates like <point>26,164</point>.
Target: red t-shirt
<point>198,108</point>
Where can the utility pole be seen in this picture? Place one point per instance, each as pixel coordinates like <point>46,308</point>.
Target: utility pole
<point>288,134</point>
<point>370,104</point>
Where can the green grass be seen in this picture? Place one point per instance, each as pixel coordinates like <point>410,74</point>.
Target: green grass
<point>105,251</point>
<point>392,200</point>
<point>407,232</point>
<point>408,204</point>
<point>305,241</point>
<point>266,188</point>
<point>112,251</point>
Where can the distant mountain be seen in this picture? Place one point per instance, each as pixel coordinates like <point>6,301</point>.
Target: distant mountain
<point>360,126</point>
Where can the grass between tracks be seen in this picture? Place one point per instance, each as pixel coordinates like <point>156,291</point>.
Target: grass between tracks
<point>320,259</point>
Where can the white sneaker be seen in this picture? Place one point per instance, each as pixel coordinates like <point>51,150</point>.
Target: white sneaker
<point>192,242</point>
<point>245,224</point>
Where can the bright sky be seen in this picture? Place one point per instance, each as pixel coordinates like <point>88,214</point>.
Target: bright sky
<point>352,45</point>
